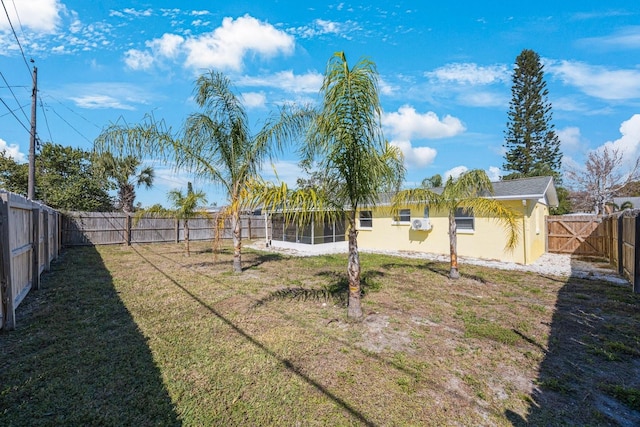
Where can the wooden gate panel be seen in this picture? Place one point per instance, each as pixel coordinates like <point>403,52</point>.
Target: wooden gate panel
<point>576,234</point>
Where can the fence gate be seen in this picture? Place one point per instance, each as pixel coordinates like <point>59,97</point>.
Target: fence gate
<point>576,234</point>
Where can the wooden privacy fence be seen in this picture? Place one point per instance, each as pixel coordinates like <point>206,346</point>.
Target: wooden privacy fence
<point>105,228</point>
<point>30,239</point>
<point>576,234</point>
<point>615,237</point>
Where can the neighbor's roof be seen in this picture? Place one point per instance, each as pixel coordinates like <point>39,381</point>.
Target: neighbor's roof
<point>535,188</point>
<point>539,187</point>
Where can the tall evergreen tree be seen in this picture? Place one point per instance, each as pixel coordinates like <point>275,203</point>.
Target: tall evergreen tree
<point>533,147</point>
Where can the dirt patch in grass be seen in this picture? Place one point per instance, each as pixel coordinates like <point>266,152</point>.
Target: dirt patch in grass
<point>114,328</point>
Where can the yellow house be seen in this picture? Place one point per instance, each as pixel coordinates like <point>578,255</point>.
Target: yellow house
<point>421,229</point>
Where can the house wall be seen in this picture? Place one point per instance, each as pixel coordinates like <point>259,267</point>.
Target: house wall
<point>486,241</point>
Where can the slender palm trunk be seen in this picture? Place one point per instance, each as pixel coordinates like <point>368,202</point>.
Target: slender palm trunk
<point>186,236</point>
<point>353,270</point>
<point>237,242</point>
<point>453,247</point>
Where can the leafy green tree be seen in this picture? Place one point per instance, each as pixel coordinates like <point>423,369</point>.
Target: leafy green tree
<point>434,181</point>
<point>67,180</point>
<point>347,144</point>
<point>215,144</point>
<point>126,175</point>
<point>532,146</point>
<point>14,176</point>
<point>185,208</point>
<point>467,192</point>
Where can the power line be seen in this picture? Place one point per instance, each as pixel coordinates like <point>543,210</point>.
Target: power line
<point>70,125</point>
<point>16,36</point>
<point>12,111</point>
<point>46,120</point>
<point>14,95</point>
<point>14,115</point>
<point>70,109</point>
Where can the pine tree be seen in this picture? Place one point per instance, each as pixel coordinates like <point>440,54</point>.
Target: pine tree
<point>533,147</point>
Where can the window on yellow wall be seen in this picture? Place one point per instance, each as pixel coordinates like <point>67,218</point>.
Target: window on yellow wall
<point>404,216</point>
<point>464,219</point>
<point>537,217</point>
<point>366,219</point>
<point>426,212</point>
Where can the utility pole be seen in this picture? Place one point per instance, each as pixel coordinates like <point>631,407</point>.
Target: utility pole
<point>31,193</point>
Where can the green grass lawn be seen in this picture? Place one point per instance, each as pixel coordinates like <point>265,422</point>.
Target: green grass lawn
<point>143,335</point>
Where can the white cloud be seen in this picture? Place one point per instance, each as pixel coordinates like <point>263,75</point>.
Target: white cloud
<point>37,15</point>
<point>483,99</point>
<point>286,80</point>
<point>138,60</point>
<point>629,143</point>
<point>415,156</point>
<point>471,74</point>
<point>99,95</point>
<point>624,38</point>
<point>598,81</point>
<point>569,138</point>
<point>13,151</point>
<point>455,172</point>
<point>227,45</point>
<point>254,99</point>
<point>406,124</point>
<point>494,173</point>
<point>168,45</point>
<point>100,101</point>
<point>321,27</point>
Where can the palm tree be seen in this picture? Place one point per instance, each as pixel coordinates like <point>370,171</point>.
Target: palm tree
<point>185,208</point>
<point>126,176</point>
<point>346,142</point>
<point>215,144</point>
<point>468,192</point>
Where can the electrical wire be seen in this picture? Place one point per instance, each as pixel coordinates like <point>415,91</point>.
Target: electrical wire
<point>46,120</point>
<point>70,125</point>
<point>14,115</point>
<point>16,36</point>
<point>14,95</point>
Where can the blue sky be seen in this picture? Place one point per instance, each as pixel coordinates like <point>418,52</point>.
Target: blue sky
<point>445,70</point>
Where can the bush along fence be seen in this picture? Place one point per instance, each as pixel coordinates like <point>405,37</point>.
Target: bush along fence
<point>615,237</point>
<point>30,240</point>
<point>106,228</point>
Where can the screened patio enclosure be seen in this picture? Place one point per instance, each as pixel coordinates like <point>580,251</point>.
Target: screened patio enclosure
<point>289,234</point>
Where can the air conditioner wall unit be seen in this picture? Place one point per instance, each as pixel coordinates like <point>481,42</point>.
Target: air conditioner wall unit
<point>421,224</point>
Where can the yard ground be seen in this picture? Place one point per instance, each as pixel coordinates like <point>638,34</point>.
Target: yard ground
<point>142,335</point>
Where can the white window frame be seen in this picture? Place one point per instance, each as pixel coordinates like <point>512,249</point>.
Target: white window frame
<point>403,217</point>
<point>362,217</point>
<point>465,215</point>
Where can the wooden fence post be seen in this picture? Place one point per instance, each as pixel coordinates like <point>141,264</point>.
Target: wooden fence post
<point>127,231</point>
<point>35,247</point>
<point>45,235</point>
<point>636,257</point>
<point>619,242</point>
<point>6,286</point>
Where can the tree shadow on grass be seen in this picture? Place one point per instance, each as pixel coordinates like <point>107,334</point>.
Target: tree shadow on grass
<point>336,290</point>
<point>439,268</point>
<point>590,371</point>
<point>291,367</point>
<point>77,356</point>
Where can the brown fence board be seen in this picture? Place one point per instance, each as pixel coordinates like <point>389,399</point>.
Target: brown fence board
<point>28,237</point>
<point>104,228</point>
<point>579,234</point>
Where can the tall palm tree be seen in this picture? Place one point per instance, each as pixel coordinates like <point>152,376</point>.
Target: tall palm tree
<point>184,207</point>
<point>215,145</point>
<point>468,192</point>
<point>126,176</point>
<point>346,142</point>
